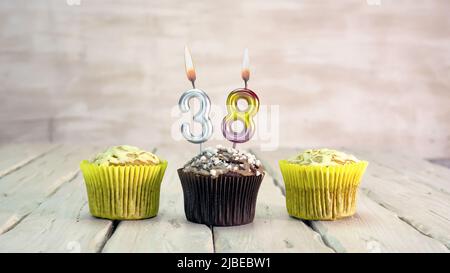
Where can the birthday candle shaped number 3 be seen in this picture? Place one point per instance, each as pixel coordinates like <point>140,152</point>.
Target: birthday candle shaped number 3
<point>202,116</point>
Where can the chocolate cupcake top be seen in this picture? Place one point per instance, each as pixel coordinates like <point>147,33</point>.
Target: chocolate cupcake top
<point>323,157</point>
<point>224,161</point>
<point>125,155</point>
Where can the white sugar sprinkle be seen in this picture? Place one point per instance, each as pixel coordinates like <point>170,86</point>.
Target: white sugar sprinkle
<point>220,160</point>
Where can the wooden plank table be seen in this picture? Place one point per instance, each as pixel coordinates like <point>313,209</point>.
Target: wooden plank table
<point>404,206</point>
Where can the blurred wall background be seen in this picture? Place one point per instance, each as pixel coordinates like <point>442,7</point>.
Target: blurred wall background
<point>371,75</point>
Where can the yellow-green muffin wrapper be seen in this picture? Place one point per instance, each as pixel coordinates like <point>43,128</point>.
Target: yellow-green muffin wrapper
<point>321,192</point>
<point>123,192</point>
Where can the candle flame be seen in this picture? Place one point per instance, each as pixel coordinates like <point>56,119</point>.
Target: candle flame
<point>190,70</point>
<point>245,66</point>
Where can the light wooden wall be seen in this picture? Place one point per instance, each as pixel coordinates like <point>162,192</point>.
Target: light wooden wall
<point>343,73</point>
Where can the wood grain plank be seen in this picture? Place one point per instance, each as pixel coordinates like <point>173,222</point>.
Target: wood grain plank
<point>169,231</point>
<point>416,190</point>
<point>411,169</point>
<point>374,228</point>
<point>272,229</point>
<point>445,162</point>
<point>421,206</point>
<point>62,223</point>
<point>15,156</point>
<point>23,191</point>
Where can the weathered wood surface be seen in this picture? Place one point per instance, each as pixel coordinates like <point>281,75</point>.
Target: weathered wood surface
<point>16,156</point>
<point>271,231</point>
<point>445,162</point>
<point>169,231</point>
<point>419,192</point>
<point>60,224</point>
<point>376,227</point>
<point>23,191</point>
<point>43,208</point>
<point>410,169</point>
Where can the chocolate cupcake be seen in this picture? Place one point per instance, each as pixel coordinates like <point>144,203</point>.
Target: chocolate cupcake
<point>220,187</point>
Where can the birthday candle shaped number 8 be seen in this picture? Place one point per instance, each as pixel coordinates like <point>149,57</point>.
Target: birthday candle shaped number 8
<point>236,114</point>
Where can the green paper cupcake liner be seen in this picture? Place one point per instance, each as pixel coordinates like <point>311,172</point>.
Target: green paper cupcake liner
<point>321,192</point>
<point>123,192</point>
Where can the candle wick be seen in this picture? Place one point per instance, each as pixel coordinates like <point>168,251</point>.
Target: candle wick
<point>234,145</point>
<point>245,84</point>
<point>193,84</point>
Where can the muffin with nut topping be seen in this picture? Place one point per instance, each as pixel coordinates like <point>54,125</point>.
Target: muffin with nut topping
<point>123,183</point>
<point>220,186</point>
<point>322,184</point>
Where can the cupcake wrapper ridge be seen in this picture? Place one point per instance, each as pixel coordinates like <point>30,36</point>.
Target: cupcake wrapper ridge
<point>221,201</point>
<point>123,192</point>
<point>321,192</point>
